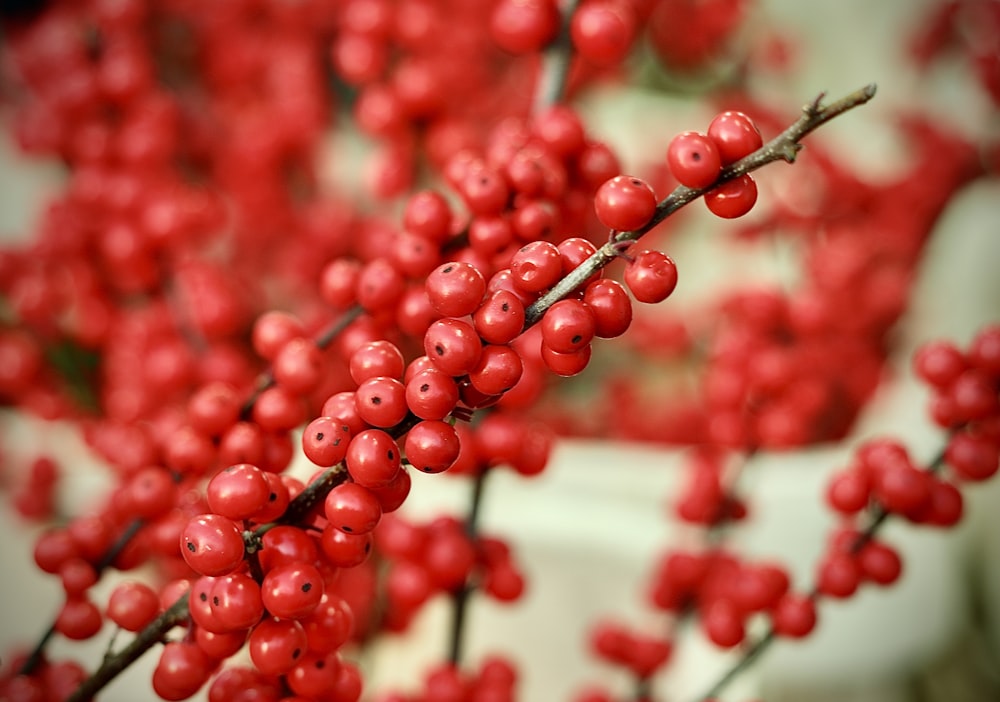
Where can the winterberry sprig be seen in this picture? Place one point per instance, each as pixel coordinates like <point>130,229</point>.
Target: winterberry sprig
<point>784,147</point>
<point>883,482</point>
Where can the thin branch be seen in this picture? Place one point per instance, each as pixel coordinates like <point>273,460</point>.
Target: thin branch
<point>460,600</point>
<point>113,665</point>
<point>38,652</point>
<point>878,516</point>
<point>783,147</point>
<point>556,62</point>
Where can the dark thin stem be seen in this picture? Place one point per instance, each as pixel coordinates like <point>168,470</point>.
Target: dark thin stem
<point>556,62</point>
<point>460,600</point>
<point>783,147</point>
<point>114,664</point>
<point>749,657</point>
<point>38,652</point>
<point>878,517</point>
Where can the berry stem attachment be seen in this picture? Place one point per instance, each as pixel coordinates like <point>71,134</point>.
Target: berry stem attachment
<point>784,147</point>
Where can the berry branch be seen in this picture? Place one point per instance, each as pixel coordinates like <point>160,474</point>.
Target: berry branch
<point>460,600</point>
<point>877,517</point>
<point>115,664</point>
<point>556,62</point>
<point>784,147</point>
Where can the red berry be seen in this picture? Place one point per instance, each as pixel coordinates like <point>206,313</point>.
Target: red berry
<point>651,276</point>
<point>723,624</point>
<point>972,457</point>
<point>276,644</point>
<point>880,563</point>
<point>602,32</point>
<point>352,508</point>
<point>376,358</point>
<point>694,159</point>
<point>734,198</point>
<point>611,307</point>
<point>500,319</point>
<point>524,26</point>
<point>431,394</point>
<point>566,364</point>
<point>373,458</point>
<point>133,605</point>
<point>292,591</point>
<point>452,345</point>
<point>567,326</point>
<point>381,401</point>
<point>498,370</point>
<point>432,446</point>
<point>536,266</point>
<point>455,289</point>
<point>625,203</point>
<point>238,492</point>
<point>212,544</point>
<point>325,440</point>
<point>735,135</point>
<point>794,616</point>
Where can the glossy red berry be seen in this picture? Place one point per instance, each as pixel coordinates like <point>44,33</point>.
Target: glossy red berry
<point>498,370</point>
<point>352,508</point>
<point>212,544</point>
<point>325,440</point>
<point>455,289</point>
<point>432,446</point>
<point>453,345</point>
<point>238,492</point>
<point>625,203</point>
<point>568,326</point>
<point>344,550</point>
<point>500,319</point>
<point>603,32</point>
<point>431,394</point>
<point>694,159</point>
<point>373,458</point>
<point>276,645</point>
<point>292,591</point>
<point>381,401</point>
<point>735,135</point>
<point>181,671</point>
<point>236,601</point>
<point>566,364</point>
<point>536,266</point>
<point>610,304</point>
<point>651,276</point>
<point>374,359</point>
<point>734,198</point>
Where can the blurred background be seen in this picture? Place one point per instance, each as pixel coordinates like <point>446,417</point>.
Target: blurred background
<point>588,530</point>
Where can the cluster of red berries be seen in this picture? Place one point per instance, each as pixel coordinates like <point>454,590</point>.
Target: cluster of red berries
<point>195,200</point>
<point>697,159</point>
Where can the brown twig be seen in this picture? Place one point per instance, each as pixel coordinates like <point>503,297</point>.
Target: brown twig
<point>784,147</point>
<point>877,517</point>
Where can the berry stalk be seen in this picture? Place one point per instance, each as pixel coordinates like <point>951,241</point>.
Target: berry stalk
<point>783,147</point>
